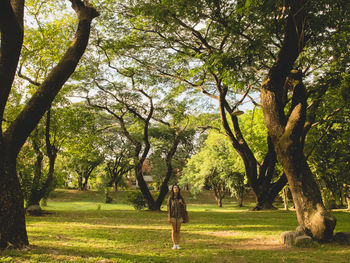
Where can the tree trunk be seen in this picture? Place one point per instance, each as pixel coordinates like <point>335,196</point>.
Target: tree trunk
<point>240,200</point>
<point>220,201</point>
<point>41,190</point>
<point>12,214</point>
<point>33,198</point>
<point>80,181</point>
<point>288,132</point>
<point>164,189</point>
<point>86,180</point>
<point>347,195</point>
<point>311,213</point>
<point>218,195</point>
<point>144,188</point>
<point>285,198</point>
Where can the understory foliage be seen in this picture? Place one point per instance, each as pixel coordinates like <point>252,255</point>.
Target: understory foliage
<point>136,199</point>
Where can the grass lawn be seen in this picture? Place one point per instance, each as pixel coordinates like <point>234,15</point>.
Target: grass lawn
<point>80,228</point>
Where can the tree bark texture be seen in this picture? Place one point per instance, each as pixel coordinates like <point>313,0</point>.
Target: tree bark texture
<point>11,26</point>
<point>287,132</point>
<point>12,216</point>
<point>40,102</point>
<point>285,198</point>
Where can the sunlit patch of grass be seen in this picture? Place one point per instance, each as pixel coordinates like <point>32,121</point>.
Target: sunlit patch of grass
<point>86,230</point>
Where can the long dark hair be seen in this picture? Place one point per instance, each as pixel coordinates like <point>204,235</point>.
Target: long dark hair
<point>172,195</point>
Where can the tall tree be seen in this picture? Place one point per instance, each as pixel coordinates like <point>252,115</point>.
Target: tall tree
<point>39,184</point>
<point>82,145</point>
<point>172,136</point>
<point>134,119</point>
<point>12,218</point>
<point>203,45</point>
<point>237,43</point>
<point>285,98</point>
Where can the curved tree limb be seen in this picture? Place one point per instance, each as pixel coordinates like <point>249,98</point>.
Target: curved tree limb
<point>26,121</point>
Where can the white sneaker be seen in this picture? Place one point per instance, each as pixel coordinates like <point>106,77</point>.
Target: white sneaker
<point>178,247</point>
<point>174,247</point>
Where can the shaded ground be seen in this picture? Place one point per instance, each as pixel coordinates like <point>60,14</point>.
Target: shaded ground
<point>88,231</point>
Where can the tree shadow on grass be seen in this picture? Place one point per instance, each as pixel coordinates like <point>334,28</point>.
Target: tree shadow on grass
<point>76,254</point>
<point>203,240</point>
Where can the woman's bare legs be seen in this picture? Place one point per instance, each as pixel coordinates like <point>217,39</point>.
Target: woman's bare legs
<point>175,234</point>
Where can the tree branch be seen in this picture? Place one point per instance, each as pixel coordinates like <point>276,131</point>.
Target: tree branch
<point>36,107</point>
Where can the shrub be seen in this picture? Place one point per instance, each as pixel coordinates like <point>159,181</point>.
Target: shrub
<point>136,199</point>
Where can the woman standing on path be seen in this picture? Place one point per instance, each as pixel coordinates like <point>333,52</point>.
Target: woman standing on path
<point>176,206</point>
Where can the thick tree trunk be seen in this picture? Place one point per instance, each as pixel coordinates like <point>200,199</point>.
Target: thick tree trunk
<point>12,217</point>
<point>311,213</point>
<point>11,26</point>
<point>33,200</point>
<point>288,132</point>
<point>12,214</point>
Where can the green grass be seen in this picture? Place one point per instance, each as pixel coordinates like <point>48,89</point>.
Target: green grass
<point>80,228</point>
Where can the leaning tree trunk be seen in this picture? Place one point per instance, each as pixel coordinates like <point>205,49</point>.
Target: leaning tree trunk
<point>12,214</point>
<point>287,133</point>
<point>12,217</point>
